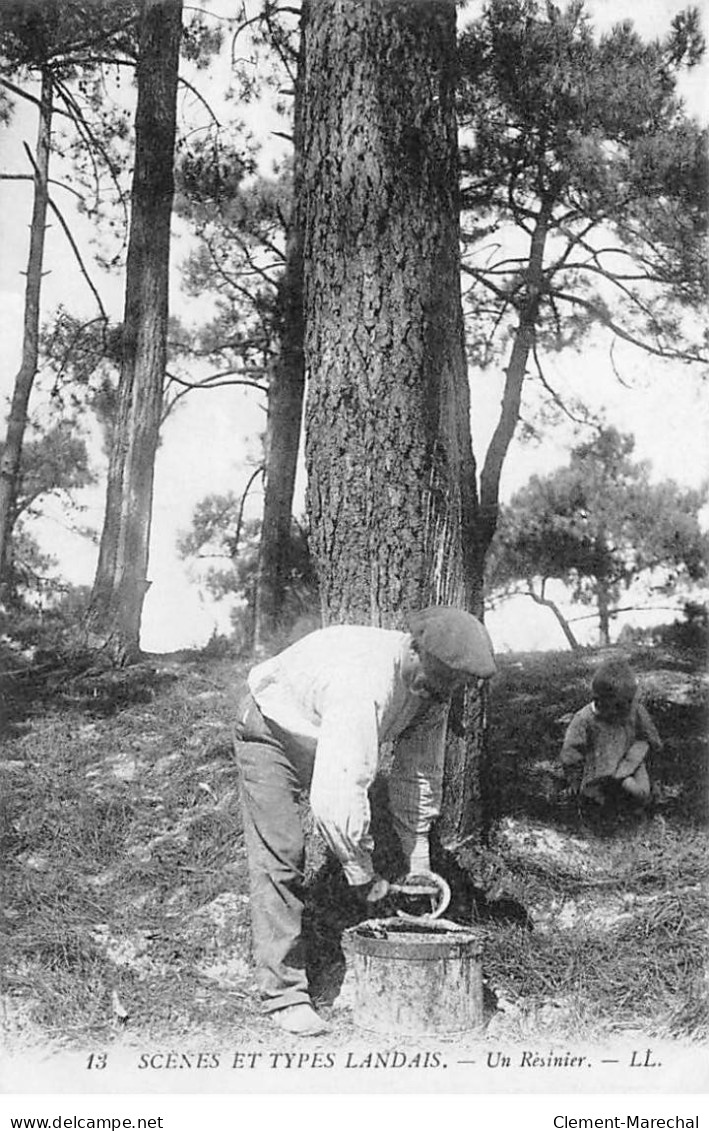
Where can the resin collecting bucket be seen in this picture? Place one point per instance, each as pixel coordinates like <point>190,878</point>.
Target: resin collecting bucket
<point>416,977</point>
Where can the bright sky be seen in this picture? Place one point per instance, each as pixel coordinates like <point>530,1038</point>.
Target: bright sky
<point>206,443</point>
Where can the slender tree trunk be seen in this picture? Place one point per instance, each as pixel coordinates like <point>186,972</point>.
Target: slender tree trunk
<point>604,616</point>
<point>17,420</point>
<point>564,625</point>
<point>121,579</point>
<point>391,476</point>
<point>285,411</point>
<point>512,395</point>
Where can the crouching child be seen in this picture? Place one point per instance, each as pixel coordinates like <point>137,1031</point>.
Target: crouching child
<point>607,742</point>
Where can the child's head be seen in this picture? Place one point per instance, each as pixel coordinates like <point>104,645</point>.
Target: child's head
<point>614,688</point>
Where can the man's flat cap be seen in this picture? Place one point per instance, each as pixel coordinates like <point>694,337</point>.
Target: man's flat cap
<point>454,637</point>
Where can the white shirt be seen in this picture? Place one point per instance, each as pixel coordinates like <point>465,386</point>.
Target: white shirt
<point>339,692</point>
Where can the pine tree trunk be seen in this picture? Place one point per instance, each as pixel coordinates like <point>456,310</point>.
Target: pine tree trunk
<point>391,477</point>
<point>388,450</point>
<point>17,420</point>
<point>604,620</point>
<point>285,411</point>
<point>564,625</point>
<point>121,579</point>
<point>512,395</point>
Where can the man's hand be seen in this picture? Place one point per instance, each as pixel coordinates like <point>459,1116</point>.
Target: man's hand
<point>378,889</point>
<point>373,892</point>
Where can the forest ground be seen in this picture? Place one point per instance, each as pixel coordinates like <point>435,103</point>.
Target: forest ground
<point>125,909</point>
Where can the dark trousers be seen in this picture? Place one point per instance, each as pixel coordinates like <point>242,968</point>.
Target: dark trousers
<point>273,775</point>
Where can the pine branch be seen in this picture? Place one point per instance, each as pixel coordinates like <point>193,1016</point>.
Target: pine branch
<point>92,60</point>
<point>50,181</point>
<point>257,270</point>
<point>511,265</point>
<point>612,277</point>
<point>93,144</point>
<point>222,273</point>
<point>596,255</point>
<point>268,244</point>
<point>572,238</point>
<point>260,470</point>
<point>552,392</point>
<point>279,43</point>
<point>77,119</point>
<point>629,609</point>
<point>212,382</point>
<point>200,97</point>
<point>70,348</point>
<point>69,236</point>
<point>614,367</point>
<point>217,380</point>
<point>604,318</point>
<point>499,313</point>
<point>30,97</point>
<point>212,15</point>
<point>619,282</point>
<point>118,30</point>
<point>555,313</point>
<point>481,276</point>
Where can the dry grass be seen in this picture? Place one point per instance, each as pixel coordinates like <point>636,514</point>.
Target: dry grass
<point>120,821</point>
<point>644,968</point>
<point>622,923</point>
<point>125,888</point>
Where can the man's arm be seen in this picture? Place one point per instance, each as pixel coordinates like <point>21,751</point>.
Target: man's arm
<point>416,784</point>
<point>346,760</point>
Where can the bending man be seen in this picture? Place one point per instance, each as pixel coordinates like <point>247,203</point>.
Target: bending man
<point>313,720</point>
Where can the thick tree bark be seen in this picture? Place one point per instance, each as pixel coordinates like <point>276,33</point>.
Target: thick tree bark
<point>285,410</point>
<point>391,478</point>
<point>391,491</point>
<point>121,578</point>
<point>17,420</point>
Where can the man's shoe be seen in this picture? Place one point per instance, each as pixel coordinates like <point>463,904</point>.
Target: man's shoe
<point>300,1019</point>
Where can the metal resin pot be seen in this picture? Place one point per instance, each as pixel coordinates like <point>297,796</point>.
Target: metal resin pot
<point>415,977</point>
